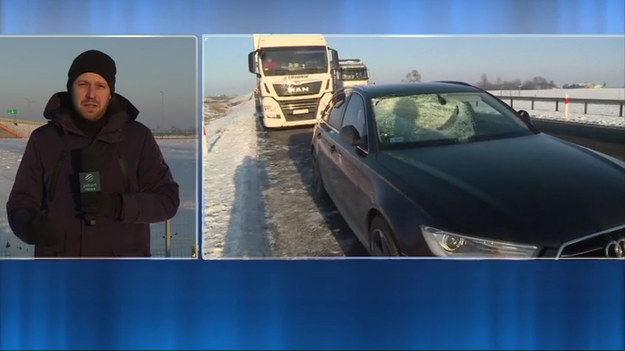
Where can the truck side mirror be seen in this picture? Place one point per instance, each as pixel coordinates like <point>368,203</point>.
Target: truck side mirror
<point>251,63</point>
<point>335,58</point>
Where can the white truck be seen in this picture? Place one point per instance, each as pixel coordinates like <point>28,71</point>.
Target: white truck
<point>351,72</point>
<point>294,77</point>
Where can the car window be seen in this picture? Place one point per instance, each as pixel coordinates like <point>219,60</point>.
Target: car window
<point>355,114</point>
<point>442,118</point>
<point>325,115</point>
<point>336,111</point>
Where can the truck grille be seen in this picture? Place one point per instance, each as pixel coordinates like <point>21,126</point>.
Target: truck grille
<point>610,244</point>
<point>293,110</point>
<point>293,89</point>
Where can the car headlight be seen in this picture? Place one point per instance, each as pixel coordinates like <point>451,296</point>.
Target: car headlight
<point>443,243</point>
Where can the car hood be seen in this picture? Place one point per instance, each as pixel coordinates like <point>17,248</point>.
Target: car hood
<point>530,189</point>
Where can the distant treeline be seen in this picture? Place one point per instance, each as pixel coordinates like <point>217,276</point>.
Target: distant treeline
<point>583,85</point>
<point>517,84</point>
<point>534,84</point>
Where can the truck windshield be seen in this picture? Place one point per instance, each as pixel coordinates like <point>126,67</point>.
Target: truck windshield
<point>354,74</point>
<point>294,60</point>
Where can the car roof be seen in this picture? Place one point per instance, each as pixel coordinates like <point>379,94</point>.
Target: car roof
<point>377,90</point>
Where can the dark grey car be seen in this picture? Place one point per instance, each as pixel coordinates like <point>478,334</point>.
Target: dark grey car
<point>446,169</point>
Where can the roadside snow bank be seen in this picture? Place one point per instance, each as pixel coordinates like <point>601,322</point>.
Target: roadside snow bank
<point>230,182</point>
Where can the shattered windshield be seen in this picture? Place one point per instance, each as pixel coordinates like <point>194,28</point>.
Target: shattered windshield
<point>294,60</point>
<point>445,118</point>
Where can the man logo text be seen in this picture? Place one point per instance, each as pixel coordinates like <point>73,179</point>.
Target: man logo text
<point>292,90</point>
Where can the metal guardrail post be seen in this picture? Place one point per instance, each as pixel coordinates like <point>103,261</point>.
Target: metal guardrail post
<point>168,238</point>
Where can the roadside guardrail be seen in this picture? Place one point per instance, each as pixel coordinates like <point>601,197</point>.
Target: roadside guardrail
<point>558,101</point>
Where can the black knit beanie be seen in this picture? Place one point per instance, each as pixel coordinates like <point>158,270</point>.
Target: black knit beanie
<point>93,61</point>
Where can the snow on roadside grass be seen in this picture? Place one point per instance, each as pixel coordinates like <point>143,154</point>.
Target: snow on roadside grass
<point>607,121</point>
<point>11,151</point>
<point>229,143</point>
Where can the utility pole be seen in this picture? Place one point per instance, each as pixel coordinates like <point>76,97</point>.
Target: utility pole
<point>28,102</point>
<point>163,108</point>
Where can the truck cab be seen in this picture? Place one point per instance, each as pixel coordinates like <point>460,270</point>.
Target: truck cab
<point>351,72</point>
<point>294,77</point>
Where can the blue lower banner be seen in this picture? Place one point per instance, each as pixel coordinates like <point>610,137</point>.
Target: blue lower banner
<point>312,304</point>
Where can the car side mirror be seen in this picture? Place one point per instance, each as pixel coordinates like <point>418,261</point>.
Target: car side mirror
<point>525,116</point>
<point>350,135</point>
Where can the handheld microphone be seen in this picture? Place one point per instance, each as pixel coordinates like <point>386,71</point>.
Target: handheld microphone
<point>89,175</point>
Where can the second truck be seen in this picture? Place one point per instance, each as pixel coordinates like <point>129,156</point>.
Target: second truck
<point>351,72</point>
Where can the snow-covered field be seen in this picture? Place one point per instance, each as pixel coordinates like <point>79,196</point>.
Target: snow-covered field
<point>180,154</point>
<point>606,115</point>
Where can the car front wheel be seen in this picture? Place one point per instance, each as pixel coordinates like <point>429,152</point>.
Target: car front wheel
<point>381,238</point>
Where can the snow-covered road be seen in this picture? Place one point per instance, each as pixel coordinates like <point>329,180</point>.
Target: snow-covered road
<point>257,192</point>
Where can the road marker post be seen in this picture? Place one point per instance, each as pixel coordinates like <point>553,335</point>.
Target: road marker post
<point>204,144</point>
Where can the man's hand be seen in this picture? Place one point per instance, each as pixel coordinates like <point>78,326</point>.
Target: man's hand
<point>39,232</point>
<point>97,204</point>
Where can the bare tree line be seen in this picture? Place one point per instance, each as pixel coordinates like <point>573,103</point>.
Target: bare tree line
<point>537,82</point>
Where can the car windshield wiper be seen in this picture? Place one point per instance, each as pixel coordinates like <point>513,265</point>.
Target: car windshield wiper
<point>504,135</point>
<point>424,143</point>
<point>441,100</point>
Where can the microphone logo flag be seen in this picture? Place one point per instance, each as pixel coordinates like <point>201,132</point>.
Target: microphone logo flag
<point>89,182</point>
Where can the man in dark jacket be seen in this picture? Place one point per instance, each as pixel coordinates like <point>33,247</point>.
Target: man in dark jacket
<point>92,132</point>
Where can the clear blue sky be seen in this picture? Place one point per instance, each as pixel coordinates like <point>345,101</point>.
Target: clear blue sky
<point>35,67</point>
<point>564,59</point>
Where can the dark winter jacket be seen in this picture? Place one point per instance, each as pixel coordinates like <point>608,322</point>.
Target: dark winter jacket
<point>130,163</point>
